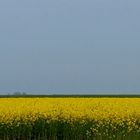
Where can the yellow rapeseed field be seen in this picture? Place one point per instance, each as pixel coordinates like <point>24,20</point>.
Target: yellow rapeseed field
<point>110,117</point>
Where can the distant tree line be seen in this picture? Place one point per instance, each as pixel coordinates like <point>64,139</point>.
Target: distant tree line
<point>19,93</point>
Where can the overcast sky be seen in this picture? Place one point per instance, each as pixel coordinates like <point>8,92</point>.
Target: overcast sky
<point>70,46</point>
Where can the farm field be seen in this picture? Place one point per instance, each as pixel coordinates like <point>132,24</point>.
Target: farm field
<point>69,118</point>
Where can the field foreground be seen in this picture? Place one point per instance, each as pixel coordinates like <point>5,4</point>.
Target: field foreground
<point>69,118</point>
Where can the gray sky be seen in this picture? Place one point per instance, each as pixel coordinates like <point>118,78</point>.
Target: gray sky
<point>69,46</point>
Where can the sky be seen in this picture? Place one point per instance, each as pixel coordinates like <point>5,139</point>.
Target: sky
<point>70,46</point>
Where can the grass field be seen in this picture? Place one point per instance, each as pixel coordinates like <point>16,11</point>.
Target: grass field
<point>70,118</point>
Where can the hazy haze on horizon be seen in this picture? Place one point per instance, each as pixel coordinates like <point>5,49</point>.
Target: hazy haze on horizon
<point>73,46</point>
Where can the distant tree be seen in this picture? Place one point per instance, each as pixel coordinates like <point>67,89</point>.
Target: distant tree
<point>19,93</point>
<point>24,93</point>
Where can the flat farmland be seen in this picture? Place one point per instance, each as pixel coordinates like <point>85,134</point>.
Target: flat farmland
<point>70,118</point>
